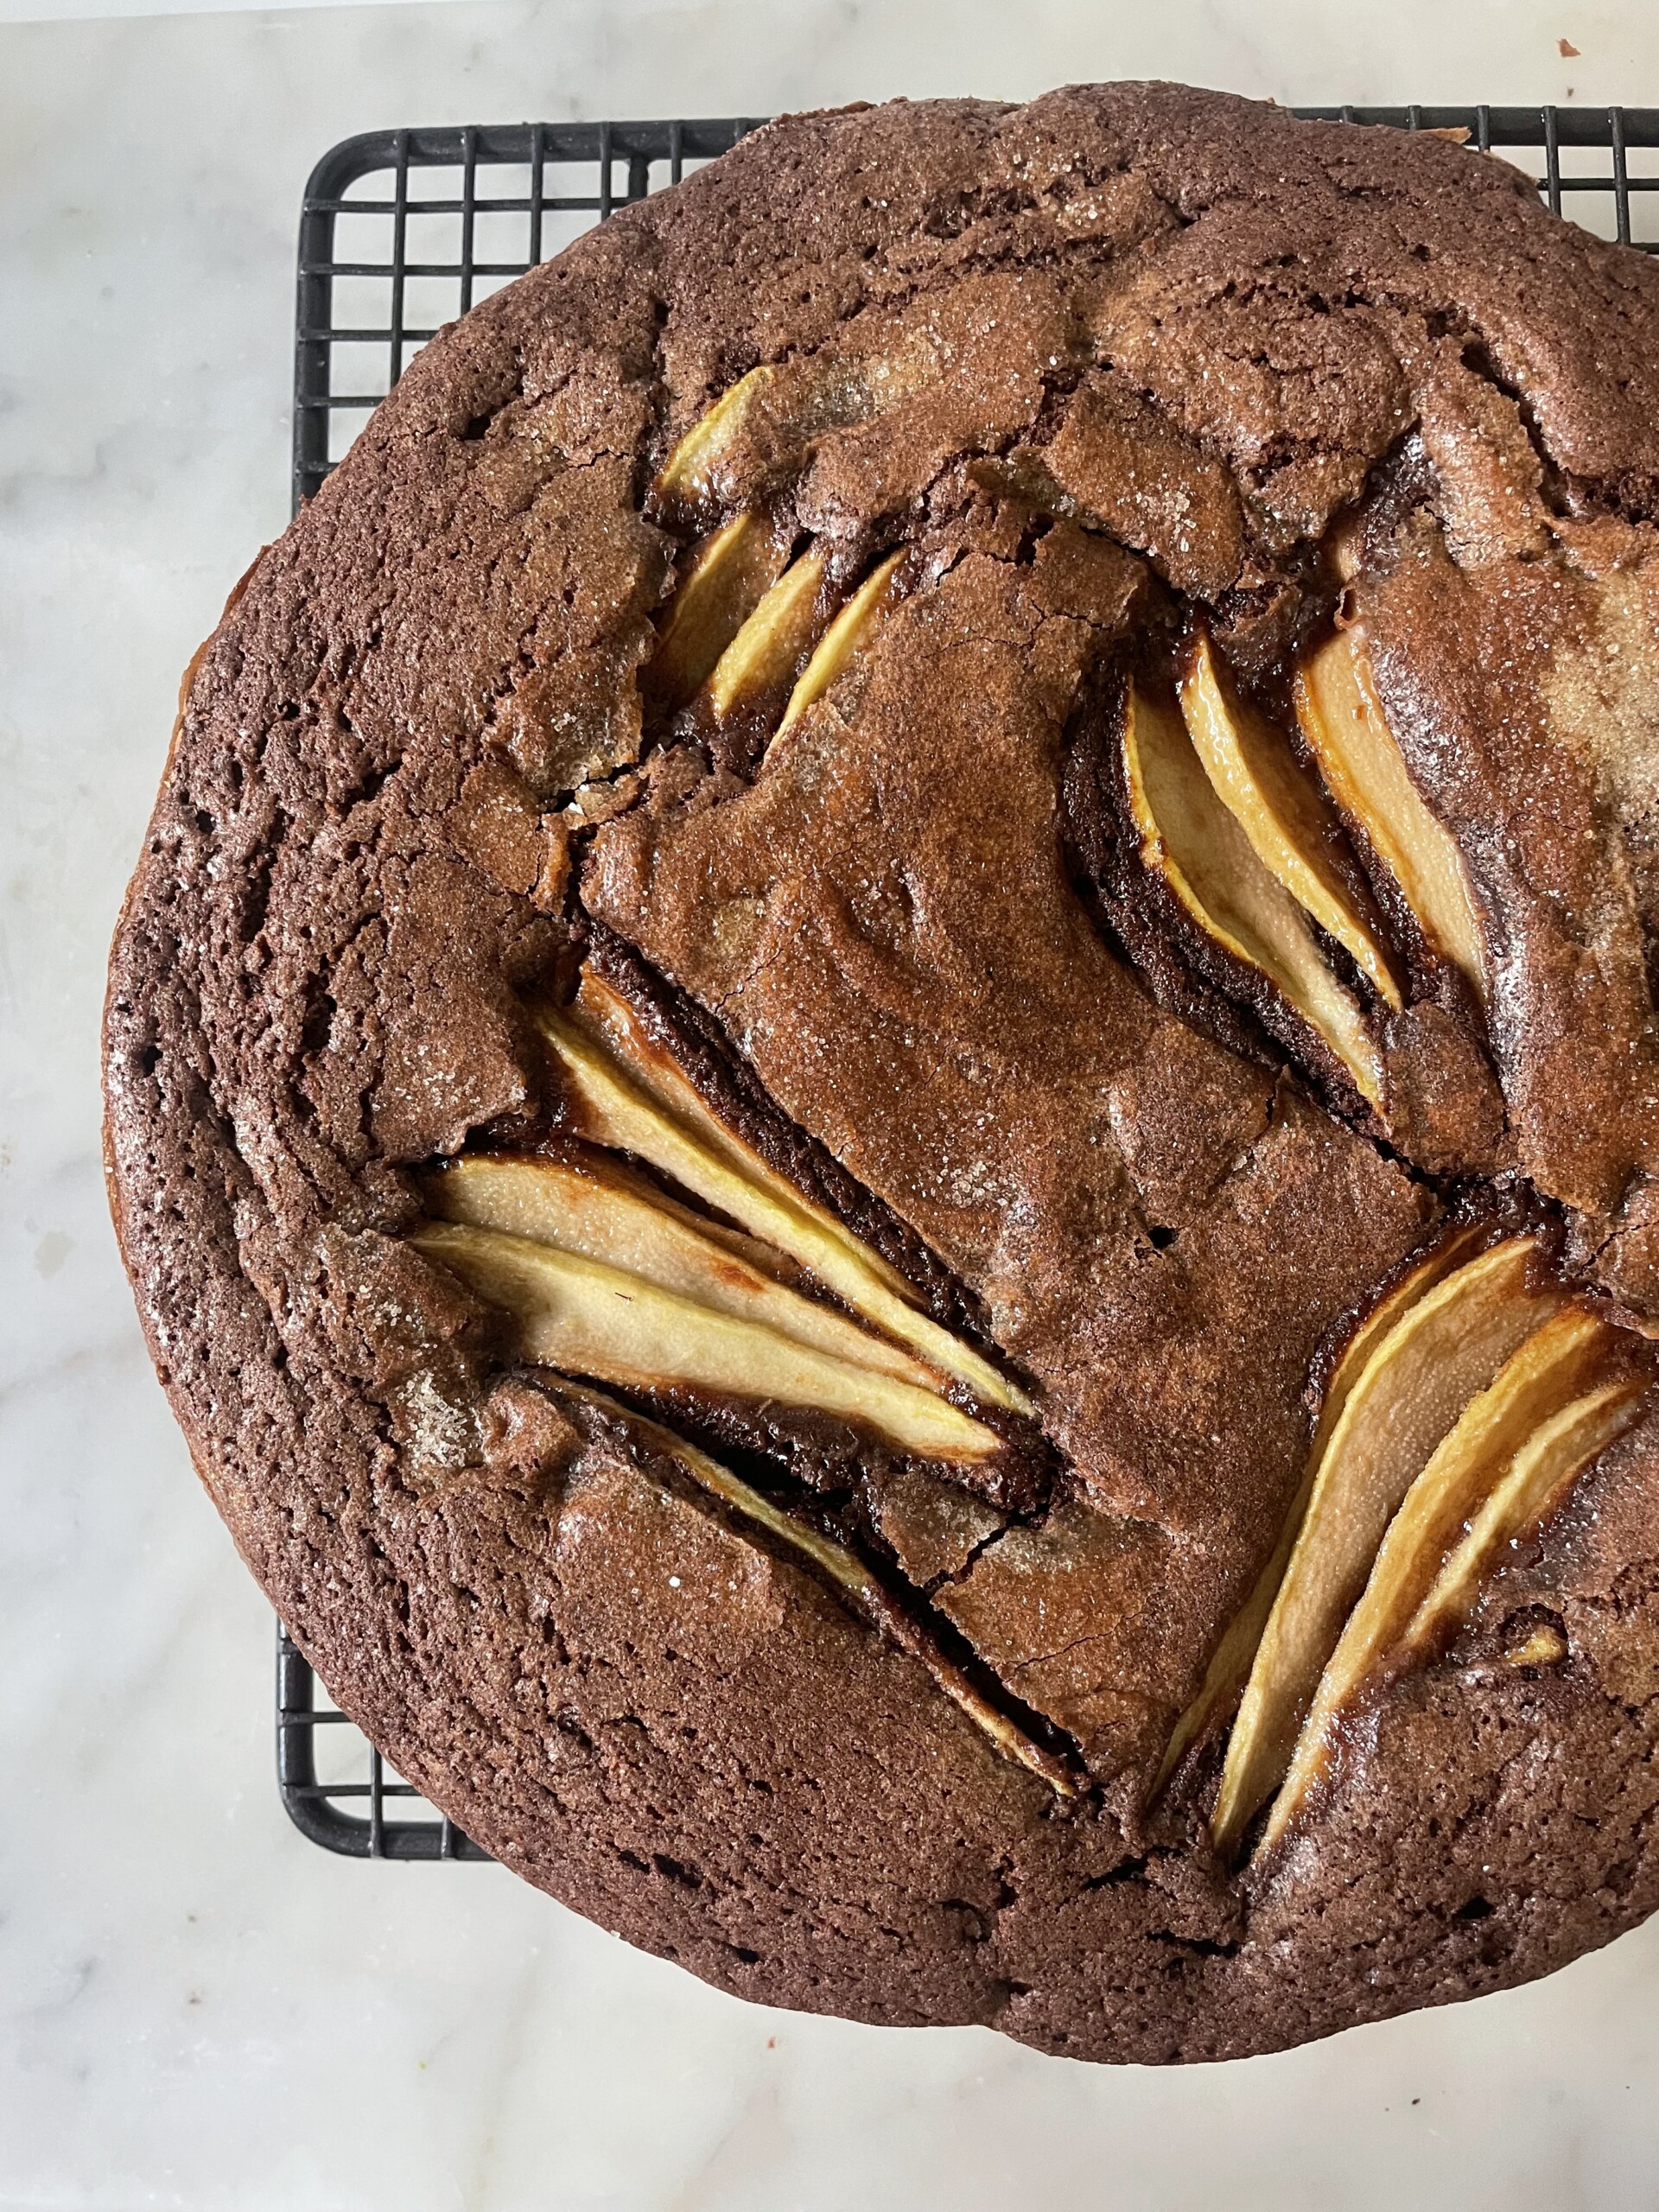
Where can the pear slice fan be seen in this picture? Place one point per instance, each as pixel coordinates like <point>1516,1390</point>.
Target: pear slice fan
<point>1474,1392</point>
<point>1291,825</point>
<point>1191,841</point>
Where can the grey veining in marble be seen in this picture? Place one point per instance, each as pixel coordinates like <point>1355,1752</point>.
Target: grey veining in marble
<point>196,2008</point>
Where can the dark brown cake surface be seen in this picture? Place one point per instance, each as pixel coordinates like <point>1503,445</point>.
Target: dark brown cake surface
<point>1029,410</point>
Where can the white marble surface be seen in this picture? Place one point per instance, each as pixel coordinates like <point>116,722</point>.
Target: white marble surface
<point>197,2008</point>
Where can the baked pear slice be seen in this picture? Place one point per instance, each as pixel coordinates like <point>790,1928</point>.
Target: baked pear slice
<point>1229,1665</point>
<point>1546,1464</point>
<point>598,1209</point>
<point>668,1125</point>
<point>774,645</point>
<point>602,1015</point>
<point>1411,1386</point>
<point>1344,726</point>
<point>777,412</point>
<point>1192,844</point>
<point>853,1580</point>
<point>1549,1370</point>
<point>730,573</point>
<point>590,1319</point>
<point>687,475</point>
<point>851,631</point>
<point>1293,829</point>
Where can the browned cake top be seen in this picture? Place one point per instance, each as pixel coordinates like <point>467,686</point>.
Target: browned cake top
<point>883,1082</point>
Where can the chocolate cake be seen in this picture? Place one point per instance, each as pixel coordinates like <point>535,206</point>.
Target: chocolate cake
<point>882,1081</point>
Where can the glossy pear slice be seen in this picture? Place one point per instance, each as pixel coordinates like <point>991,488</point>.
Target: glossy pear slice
<point>1547,1463</point>
<point>1409,1391</point>
<point>772,644</point>
<point>677,1138</point>
<point>1188,839</point>
<point>1229,1666</point>
<point>1292,827</point>
<point>688,474</point>
<point>1551,1366</point>
<point>1342,724</point>
<point>607,1020</point>
<point>852,630</point>
<point>854,1579</point>
<point>778,412</point>
<point>783,408</point>
<point>730,575</point>
<point>606,1215</point>
<point>586,1318</point>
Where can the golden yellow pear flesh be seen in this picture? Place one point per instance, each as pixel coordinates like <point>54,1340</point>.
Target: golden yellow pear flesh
<point>677,1140</point>
<point>1547,1463</point>
<point>1229,1665</point>
<point>851,633</point>
<point>729,575</point>
<point>775,642</point>
<point>688,474</point>
<point>1410,1391</point>
<point>1188,838</point>
<point>1292,827</point>
<point>604,1215</point>
<point>1550,1366</point>
<point>1344,726</point>
<point>591,1319</point>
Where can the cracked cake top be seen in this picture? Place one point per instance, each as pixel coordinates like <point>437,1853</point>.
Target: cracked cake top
<point>882,1081</point>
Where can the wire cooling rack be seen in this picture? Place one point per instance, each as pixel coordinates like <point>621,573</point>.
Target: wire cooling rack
<point>402,230</point>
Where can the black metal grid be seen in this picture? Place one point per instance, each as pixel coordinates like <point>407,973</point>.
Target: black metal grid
<point>319,1790</point>
<point>396,237</point>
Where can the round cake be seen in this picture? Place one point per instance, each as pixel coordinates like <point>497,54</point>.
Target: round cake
<point>882,1081</point>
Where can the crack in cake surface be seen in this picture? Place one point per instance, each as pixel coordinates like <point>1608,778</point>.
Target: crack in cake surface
<point>1009,1731</point>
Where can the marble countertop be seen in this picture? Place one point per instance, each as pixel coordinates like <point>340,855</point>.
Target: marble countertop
<point>197,2008</point>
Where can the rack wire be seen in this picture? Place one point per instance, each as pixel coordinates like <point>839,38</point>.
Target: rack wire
<point>401,232</point>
